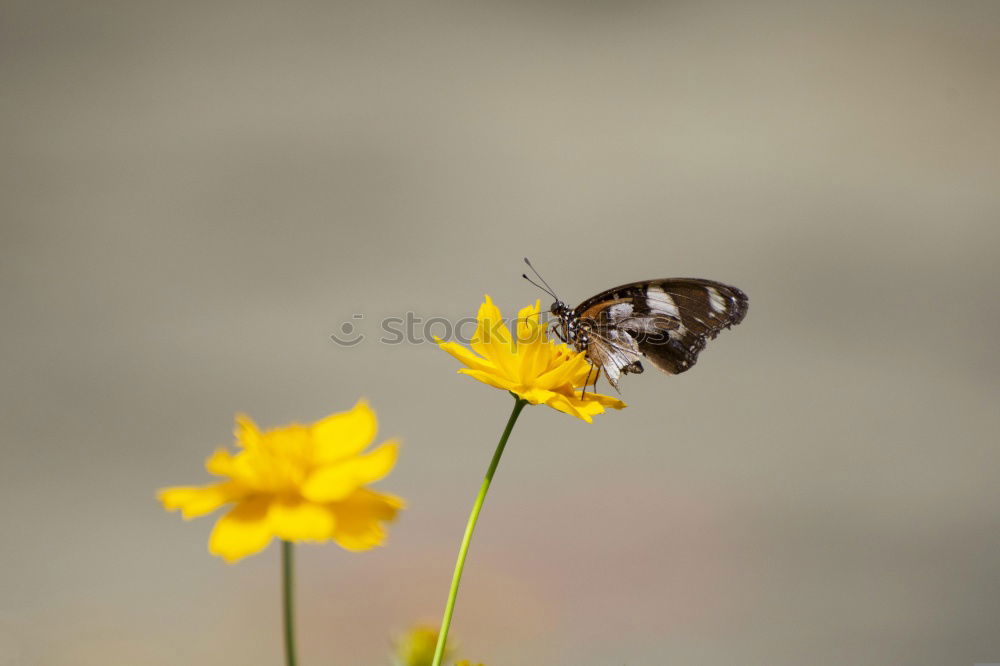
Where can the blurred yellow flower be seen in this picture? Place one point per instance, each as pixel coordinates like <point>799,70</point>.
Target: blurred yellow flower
<point>531,366</point>
<point>416,647</point>
<point>296,483</point>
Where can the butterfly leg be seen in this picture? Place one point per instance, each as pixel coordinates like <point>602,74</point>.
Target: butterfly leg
<point>586,382</point>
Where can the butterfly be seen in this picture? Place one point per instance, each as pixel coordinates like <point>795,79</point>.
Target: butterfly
<point>667,321</point>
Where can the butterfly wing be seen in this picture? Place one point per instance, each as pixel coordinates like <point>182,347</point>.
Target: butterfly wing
<point>614,351</point>
<point>614,329</point>
<point>669,320</point>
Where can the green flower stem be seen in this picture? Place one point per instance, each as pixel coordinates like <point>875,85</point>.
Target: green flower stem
<point>288,600</point>
<point>463,550</point>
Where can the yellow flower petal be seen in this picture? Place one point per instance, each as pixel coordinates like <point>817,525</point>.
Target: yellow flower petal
<point>466,356</point>
<point>246,432</point>
<point>564,404</point>
<point>565,373</point>
<point>492,340</point>
<point>194,501</point>
<point>527,322</point>
<point>417,647</point>
<point>293,444</point>
<point>241,532</point>
<point>336,481</point>
<point>221,463</point>
<point>592,405</point>
<point>532,341</point>
<point>608,401</point>
<point>360,517</point>
<point>295,519</point>
<point>491,378</point>
<point>344,434</point>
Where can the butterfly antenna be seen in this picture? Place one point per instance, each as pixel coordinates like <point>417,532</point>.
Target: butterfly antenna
<point>546,288</point>
<point>547,291</point>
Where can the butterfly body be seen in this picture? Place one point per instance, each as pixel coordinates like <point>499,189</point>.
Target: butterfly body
<point>666,321</point>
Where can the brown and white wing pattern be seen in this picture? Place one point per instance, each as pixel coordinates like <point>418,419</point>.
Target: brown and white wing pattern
<point>613,328</point>
<point>614,351</point>
<point>668,321</point>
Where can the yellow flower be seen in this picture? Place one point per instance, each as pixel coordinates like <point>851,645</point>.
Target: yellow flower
<point>297,483</point>
<point>416,647</point>
<point>532,366</point>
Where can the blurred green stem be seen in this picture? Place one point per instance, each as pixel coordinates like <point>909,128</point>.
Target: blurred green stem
<point>463,550</point>
<point>288,600</point>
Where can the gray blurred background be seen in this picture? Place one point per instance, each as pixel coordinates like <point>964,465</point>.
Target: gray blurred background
<point>196,195</point>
